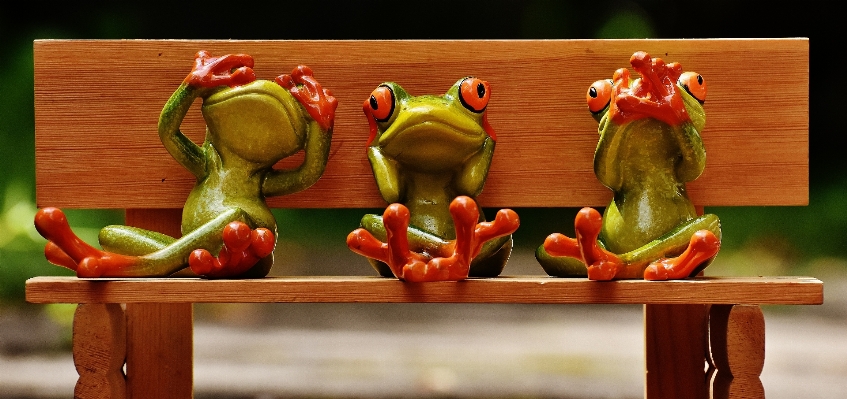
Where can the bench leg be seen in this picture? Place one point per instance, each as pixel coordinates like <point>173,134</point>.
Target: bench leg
<point>160,350</point>
<point>675,351</point>
<point>737,342</point>
<point>99,350</point>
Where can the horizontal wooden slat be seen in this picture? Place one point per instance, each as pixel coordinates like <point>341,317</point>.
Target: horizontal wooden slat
<point>531,289</point>
<point>97,104</point>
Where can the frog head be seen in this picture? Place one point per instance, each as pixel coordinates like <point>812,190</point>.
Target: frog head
<point>264,121</point>
<point>429,133</point>
<point>664,92</point>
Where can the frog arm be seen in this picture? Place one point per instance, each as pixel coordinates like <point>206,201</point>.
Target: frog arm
<point>387,175</point>
<point>687,134</point>
<point>606,156</point>
<point>471,178</point>
<point>282,182</point>
<point>185,151</point>
<point>692,151</point>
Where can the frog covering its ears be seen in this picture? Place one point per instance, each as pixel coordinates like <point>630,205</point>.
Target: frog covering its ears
<point>228,230</point>
<point>430,156</point>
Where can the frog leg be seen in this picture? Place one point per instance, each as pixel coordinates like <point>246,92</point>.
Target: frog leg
<point>492,258</point>
<point>704,245</point>
<point>68,250</point>
<point>689,238</point>
<point>124,240</point>
<point>560,265</point>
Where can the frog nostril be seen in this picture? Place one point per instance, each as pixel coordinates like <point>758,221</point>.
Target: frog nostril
<point>480,90</point>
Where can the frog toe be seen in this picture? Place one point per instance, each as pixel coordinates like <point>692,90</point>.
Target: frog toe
<point>202,262</point>
<point>262,242</point>
<point>603,270</point>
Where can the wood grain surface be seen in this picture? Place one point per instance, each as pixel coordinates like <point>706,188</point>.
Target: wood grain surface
<point>97,104</point>
<point>160,350</point>
<point>338,289</point>
<point>675,347</point>
<point>99,350</point>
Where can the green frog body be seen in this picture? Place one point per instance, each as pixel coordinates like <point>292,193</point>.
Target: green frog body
<point>228,230</point>
<point>649,147</point>
<point>430,156</point>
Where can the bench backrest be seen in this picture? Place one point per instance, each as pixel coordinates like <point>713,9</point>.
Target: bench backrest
<point>97,104</point>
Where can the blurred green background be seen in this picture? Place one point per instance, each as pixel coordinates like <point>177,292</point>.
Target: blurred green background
<point>808,240</point>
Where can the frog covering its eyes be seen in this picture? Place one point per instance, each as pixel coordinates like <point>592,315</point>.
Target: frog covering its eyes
<point>649,147</point>
<point>430,156</point>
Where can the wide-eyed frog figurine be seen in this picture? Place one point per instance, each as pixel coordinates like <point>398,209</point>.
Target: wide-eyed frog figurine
<point>430,156</point>
<point>228,230</point>
<point>649,147</point>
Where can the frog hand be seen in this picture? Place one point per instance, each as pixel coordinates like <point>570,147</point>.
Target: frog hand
<point>318,101</point>
<point>654,96</point>
<point>230,69</point>
<point>242,249</point>
<point>703,246</point>
<point>66,249</point>
<point>602,265</point>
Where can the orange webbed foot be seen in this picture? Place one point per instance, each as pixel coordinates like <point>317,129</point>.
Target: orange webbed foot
<point>58,257</point>
<point>602,265</point>
<point>242,249</point>
<point>470,237</point>
<point>411,266</point>
<point>395,251</point>
<point>703,246</point>
<point>66,249</point>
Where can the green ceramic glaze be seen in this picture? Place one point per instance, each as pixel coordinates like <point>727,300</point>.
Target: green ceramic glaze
<point>649,147</point>
<point>425,151</point>
<point>251,125</point>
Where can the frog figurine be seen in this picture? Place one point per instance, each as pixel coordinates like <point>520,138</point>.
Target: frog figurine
<point>649,147</point>
<point>430,156</point>
<point>228,230</point>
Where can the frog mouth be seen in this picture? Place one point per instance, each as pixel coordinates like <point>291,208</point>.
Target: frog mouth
<point>432,145</point>
<point>422,124</point>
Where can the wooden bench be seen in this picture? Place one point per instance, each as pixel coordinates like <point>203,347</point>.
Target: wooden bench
<point>96,109</point>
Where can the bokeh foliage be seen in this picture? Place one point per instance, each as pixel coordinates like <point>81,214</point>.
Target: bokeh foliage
<point>798,233</point>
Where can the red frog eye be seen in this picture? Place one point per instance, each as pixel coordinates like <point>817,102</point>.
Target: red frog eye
<point>474,94</point>
<point>598,96</point>
<point>694,85</point>
<point>381,103</point>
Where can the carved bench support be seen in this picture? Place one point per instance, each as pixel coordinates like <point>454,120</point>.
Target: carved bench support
<point>737,342</point>
<point>99,350</point>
